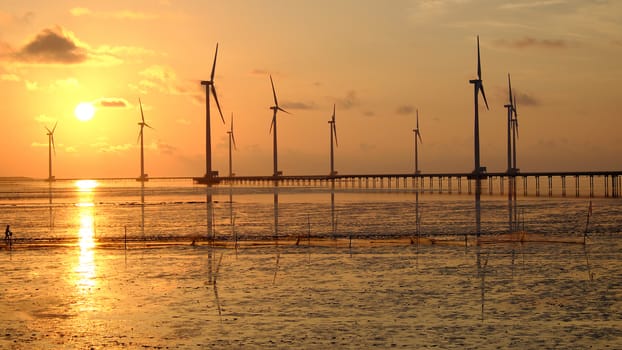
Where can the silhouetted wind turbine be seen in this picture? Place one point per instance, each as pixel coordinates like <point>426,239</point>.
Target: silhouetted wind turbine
<point>231,141</point>
<point>477,172</point>
<point>275,108</point>
<point>142,124</point>
<point>51,147</point>
<point>209,87</point>
<point>333,132</point>
<point>510,169</point>
<point>417,134</point>
<point>510,107</point>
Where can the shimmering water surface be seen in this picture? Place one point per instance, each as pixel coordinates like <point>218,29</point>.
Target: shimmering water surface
<point>83,294</point>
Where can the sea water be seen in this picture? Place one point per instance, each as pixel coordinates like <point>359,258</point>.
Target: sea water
<point>81,294</point>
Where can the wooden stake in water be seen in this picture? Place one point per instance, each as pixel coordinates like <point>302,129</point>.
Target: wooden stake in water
<point>125,237</point>
<point>216,288</point>
<point>587,223</point>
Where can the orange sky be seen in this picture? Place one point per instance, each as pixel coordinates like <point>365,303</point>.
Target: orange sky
<point>378,61</point>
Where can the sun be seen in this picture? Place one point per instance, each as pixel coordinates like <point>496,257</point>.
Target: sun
<point>84,111</point>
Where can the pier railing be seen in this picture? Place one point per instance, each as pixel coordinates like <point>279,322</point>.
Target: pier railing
<point>578,184</point>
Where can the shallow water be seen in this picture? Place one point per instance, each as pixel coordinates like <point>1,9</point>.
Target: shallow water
<point>84,295</point>
<point>525,296</point>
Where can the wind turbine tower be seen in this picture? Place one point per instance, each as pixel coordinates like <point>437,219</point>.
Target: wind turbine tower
<point>231,142</point>
<point>142,124</point>
<point>209,87</point>
<point>514,135</point>
<point>417,134</point>
<point>479,170</point>
<point>275,109</point>
<point>51,147</point>
<point>510,170</point>
<point>333,132</point>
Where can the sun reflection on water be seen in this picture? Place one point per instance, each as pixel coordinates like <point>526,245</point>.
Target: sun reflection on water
<point>86,269</point>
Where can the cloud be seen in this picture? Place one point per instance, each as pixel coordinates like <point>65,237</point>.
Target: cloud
<point>9,77</point>
<point>114,102</point>
<point>32,85</point>
<point>52,46</point>
<point>44,119</point>
<point>351,100</point>
<point>58,46</point>
<point>165,148</point>
<point>65,83</point>
<point>524,99</point>
<point>104,147</point>
<point>528,42</point>
<point>298,105</point>
<point>405,110</point>
<point>120,15</point>
<point>163,79</point>
<point>261,72</point>
<point>532,4</point>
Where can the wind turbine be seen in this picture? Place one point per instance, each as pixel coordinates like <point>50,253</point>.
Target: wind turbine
<point>51,147</point>
<point>209,87</point>
<point>417,134</point>
<point>333,131</point>
<point>275,108</point>
<point>477,172</point>
<point>142,124</point>
<point>510,169</point>
<point>231,141</point>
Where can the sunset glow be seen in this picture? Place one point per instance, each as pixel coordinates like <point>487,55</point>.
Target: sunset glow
<point>376,62</point>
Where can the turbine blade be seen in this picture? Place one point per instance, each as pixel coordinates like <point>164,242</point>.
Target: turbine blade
<point>481,87</point>
<point>419,136</point>
<point>142,116</point>
<point>276,104</point>
<point>231,126</point>
<point>217,103</point>
<point>510,91</point>
<point>514,107</point>
<point>140,134</point>
<point>214,65</point>
<point>417,111</point>
<point>235,147</point>
<point>149,126</point>
<point>48,130</point>
<point>334,126</point>
<point>479,64</point>
<point>282,110</point>
<point>54,128</point>
<point>273,121</point>
<point>53,145</point>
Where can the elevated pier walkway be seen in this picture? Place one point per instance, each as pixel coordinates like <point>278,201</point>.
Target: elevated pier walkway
<point>556,183</point>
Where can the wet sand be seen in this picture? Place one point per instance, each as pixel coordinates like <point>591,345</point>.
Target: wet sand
<point>377,294</point>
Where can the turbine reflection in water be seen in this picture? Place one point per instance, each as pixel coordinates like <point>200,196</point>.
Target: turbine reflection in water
<point>85,270</point>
